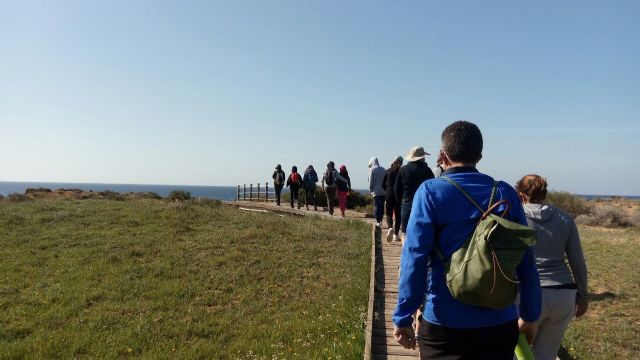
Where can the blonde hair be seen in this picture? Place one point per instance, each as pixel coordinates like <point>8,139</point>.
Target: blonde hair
<point>533,187</point>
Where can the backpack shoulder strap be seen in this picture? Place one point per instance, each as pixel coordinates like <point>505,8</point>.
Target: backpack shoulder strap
<point>493,192</point>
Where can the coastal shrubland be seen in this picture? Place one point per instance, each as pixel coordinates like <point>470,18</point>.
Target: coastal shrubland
<point>159,279</point>
<point>612,212</point>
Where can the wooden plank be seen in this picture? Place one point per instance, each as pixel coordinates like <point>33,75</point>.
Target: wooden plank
<point>395,357</point>
<point>372,294</point>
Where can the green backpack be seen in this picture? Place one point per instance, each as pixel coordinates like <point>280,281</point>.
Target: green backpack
<point>483,271</point>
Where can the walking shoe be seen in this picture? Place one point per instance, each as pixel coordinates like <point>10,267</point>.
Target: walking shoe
<point>396,238</point>
<point>389,235</point>
<point>377,224</point>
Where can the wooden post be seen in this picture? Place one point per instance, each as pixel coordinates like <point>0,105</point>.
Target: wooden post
<point>238,194</point>
<point>258,192</point>
<point>244,192</point>
<point>250,192</point>
<point>266,192</point>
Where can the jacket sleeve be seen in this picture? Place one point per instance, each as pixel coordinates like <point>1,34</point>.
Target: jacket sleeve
<point>397,187</point>
<point>340,177</point>
<point>577,264</point>
<point>289,181</point>
<point>370,178</point>
<point>384,181</point>
<point>415,256</point>
<point>274,175</point>
<point>528,278</point>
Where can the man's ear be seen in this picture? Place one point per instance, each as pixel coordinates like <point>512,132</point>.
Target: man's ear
<point>479,158</point>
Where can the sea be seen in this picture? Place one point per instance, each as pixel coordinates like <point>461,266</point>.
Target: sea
<point>211,192</point>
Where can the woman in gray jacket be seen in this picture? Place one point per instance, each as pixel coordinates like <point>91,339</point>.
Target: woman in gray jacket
<point>564,288</point>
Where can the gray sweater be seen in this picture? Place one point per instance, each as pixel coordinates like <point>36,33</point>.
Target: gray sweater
<point>558,240</point>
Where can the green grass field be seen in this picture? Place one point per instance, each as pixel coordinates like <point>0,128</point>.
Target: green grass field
<point>153,279</point>
<point>611,327</point>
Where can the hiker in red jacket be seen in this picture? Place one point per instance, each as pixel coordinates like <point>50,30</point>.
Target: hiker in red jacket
<point>294,183</point>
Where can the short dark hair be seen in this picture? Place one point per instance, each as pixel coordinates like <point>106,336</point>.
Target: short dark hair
<point>462,142</point>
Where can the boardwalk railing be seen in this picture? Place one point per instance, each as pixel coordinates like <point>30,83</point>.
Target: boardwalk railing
<point>257,193</point>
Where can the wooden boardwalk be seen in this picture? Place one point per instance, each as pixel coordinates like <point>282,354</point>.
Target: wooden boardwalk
<point>380,344</point>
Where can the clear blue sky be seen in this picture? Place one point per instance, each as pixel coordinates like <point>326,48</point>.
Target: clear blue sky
<point>218,92</point>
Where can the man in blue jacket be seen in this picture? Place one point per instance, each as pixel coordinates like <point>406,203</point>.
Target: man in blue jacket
<point>440,213</point>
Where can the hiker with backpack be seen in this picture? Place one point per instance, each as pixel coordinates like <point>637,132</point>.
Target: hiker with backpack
<point>329,178</point>
<point>294,183</point>
<point>392,205</point>
<point>278,181</point>
<point>309,181</point>
<point>376,175</point>
<point>409,178</point>
<point>467,250</point>
<point>343,183</point>
<point>564,288</point>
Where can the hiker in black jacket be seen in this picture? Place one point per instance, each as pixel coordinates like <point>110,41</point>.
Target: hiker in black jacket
<point>278,182</point>
<point>294,183</point>
<point>392,206</point>
<point>410,177</point>
<point>309,181</point>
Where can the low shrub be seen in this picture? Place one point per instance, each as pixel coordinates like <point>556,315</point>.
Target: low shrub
<point>111,195</point>
<point>1,196</point>
<point>607,216</point>
<point>355,199</point>
<point>179,195</point>
<point>572,204</point>
<point>15,197</point>
<point>146,195</point>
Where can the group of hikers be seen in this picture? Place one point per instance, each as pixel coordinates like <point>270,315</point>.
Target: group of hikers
<point>436,215</point>
<point>334,183</point>
<point>481,262</point>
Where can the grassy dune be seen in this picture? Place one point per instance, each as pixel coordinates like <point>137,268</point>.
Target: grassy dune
<point>152,279</point>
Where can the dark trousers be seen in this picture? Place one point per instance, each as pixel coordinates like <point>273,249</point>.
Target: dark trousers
<point>278,192</point>
<point>310,197</point>
<point>486,343</point>
<point>405,212</point>
<point>294,195</point>
<point>392,207</point>
<point>331,196</point>
<point>378,202</point>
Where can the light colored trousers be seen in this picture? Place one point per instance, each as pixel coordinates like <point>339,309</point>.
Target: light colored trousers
<point>558,308</point>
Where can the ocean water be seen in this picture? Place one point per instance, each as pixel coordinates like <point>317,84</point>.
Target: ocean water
<point>211,192</point>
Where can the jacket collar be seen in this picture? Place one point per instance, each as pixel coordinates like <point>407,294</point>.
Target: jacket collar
<point>460,169</point>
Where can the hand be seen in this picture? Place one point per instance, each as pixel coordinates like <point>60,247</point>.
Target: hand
<point>530,329</point>
<point>581,309</point>
<point>405,337</point>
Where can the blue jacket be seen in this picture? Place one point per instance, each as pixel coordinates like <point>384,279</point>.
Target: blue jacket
<point>440,210</point>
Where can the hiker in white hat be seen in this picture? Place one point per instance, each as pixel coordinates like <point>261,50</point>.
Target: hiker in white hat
<point>409,178</point>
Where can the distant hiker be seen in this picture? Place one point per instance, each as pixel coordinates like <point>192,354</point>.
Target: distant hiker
<point>343,182</point>
<point>376,175</point>
<point>409,178</point>
<point>564,288</point>
<point>309,181</point>
<point>439,169</point>
<point>329,178</point>
<point>442,219</point>
<point>294,183</point>
<point>278,182</point>
<point>392,205</point>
